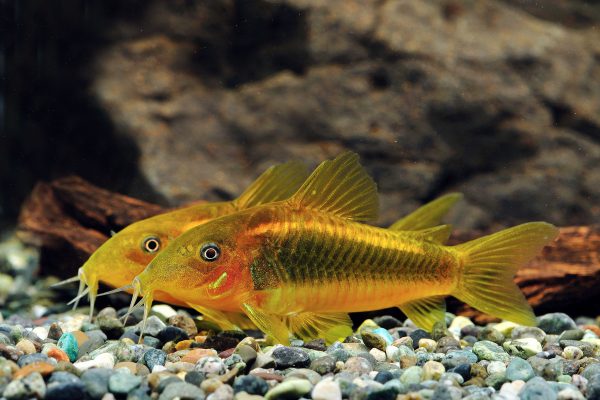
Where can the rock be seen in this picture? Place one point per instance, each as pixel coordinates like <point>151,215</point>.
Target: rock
<point>412,375</point>
<point>122,383</point>
<point>570,394</point>
<point>250,384</point>
<point>290,357</point>
<point>447,343</point>
<point>378,355</point>
<point>181,390</point>
<point>572,353</point>
<point>433,370</point>
<point>323,365</point>
<point>105,360</point>
<point>26,346</point>
<point>210,366</point>
<point>183,322</point>
<point>490,351</point>
<point>491,334</point>
<point>496,367</point>
<point>373,340</point>
<point>111,326</point>
<point>586,348</point>
<point>54,332</point>
<point>521,332</point>
<point>524,348</point>
<point>417,335</point>
<point>387,321</point>
<point>171,334</point>
<point>506,327</point>
<point>519,369</point>
<point>591,370</point>
<point>537,388</point>
<point>41,367</point>
<point>293,388</point>
<point>96,381</point>
<point>571,334</point>
<point>154,357</point>
<point>32,385</point>
<point>327,389</point>
<point>32,358</point>
<point>196,354</point>
<point>223,392</point>
<point>555,323</point>
<point>68,344</point>
<point>455,358</point>
<point>64,386</point>
<point>358,365</point>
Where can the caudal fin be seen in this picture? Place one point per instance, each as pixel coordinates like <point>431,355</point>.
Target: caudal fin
<point>490,264</point>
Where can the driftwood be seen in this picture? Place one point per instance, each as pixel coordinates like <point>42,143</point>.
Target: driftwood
<point>69,218</point>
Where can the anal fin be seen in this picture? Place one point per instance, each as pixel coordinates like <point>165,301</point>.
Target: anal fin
<point>329,326</point>
<point>425,312</point>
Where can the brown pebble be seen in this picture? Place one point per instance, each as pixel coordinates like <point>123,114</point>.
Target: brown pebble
<point>184,344</point>
<point>80,337</point>
<point>57,354</point>
<point>226,353</point>
<point>10,353</point>
<point>55,332</point>
<point>268,376</point>
<point>185,323</point>
<point>130,365</point>
<point>40,366</point>
<point>194,355</point>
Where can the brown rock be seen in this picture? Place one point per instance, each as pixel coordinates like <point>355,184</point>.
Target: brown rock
<point>42,367</point>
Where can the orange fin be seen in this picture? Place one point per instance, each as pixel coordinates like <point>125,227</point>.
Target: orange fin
<point>225,320</point>
<point>328,326</point>
<point>425,312</point>
<point>271,325</point>
<point>341,187</point>
<point>428,215</point>
<point>277,183</point>
<point>490,264</point>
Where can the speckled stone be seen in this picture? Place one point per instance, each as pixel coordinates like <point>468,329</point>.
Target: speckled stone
<point>556,323</point>
<point>290,357</point>
<point>519,369</point>
<point>490,351</point>
<point>293,388</point>
<point>68,344</point>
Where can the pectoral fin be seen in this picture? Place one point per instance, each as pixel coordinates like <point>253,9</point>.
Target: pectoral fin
<point>329,326</point>
<point>271,325</point>
<point>425,312</point>
<point>225,320</point>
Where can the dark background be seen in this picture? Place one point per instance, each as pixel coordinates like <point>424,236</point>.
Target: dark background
<point>180,100</point>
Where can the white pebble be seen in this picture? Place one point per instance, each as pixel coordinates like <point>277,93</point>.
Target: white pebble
<point>428,344</point>
<point>509,392</point>
<point>163,311</point>
<point>391,352</point>
<point>327,389</point>
<point>41,332</point>
<point>104,360</point>
<point>158,368</point>
<point>495,367</point>
<point>378,354</point>
<point>572,353</point>
<point>570,394</point>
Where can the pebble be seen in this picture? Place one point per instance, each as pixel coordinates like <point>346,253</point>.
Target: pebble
<point>250,384</point>
<point>171,334</point>
<point>417,335</point>
<point>105,360</point>
<point>378,355</point>
<point>572,353</point>
<point>293,388</point>
<point>122,383</point>
<point>524,348</point>
<point>358,365</point>
<point>412,375</point>
<point>490,351</point>
<point>32,385</point>
<point>181,390</point>
<point>290,357</point>
<point>519,369</point>
<point>373,340</point>
<point>433,370</point>
<point>26,346</point>
<point>154,357</point>
<point>96,381</point>
<point>68,344</point>
<point>521,332</point>
<point>556,323</point>
<point>327,389</point>
<point>210,366</point>
<point>537,389</point>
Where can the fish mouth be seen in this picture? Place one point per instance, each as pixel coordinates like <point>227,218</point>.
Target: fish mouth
<point>145,301</point>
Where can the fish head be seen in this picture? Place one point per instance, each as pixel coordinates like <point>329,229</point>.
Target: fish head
<point>203,264</point>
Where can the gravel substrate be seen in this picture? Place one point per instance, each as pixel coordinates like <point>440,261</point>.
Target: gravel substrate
<point>65,357</point>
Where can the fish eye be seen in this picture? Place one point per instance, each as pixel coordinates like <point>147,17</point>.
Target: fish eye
<point>210,252</point>
<point>151,244</point>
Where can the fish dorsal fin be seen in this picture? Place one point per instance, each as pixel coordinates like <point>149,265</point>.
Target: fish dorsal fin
<point>428,215</point>
<point>341,187</point>
<point>425,312</point>
<point>277,183</point>
<point>437,234</point>
<point>329,326</point>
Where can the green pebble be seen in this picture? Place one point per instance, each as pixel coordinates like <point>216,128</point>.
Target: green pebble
<point>490,351</point>
<point>519,369</point>
<point>123,383</point>
<point>412,375</point>
<point>373,340</point>
<point>496,380</point>
<point>68,344</point>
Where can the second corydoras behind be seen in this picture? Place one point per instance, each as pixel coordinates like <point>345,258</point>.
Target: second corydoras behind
<point>302,264</point>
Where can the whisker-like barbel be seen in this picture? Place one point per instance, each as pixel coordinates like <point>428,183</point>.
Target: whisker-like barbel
<point>81,294</point>
<point>64,282</point>
<point>117,290</point>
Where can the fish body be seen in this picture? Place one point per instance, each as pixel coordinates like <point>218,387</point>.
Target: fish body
<point>302,264</point>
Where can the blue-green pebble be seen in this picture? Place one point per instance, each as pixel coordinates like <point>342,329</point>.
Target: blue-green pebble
<point>537,388</point>
<point>68,344</point>
<point>123,383</point>
<point>519,369</point>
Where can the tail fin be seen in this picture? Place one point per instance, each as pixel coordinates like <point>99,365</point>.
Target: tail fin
<point>490,264</point>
